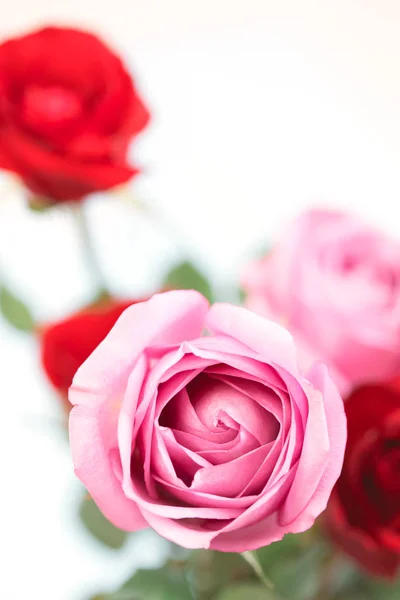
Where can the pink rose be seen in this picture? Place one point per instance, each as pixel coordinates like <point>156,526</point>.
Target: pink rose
<point>335,283</point>
<point>214,441</point>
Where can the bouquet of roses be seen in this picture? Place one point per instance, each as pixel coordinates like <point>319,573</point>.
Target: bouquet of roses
<point>221,427</point>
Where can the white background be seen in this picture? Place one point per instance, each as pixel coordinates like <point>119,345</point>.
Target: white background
<point>260,107</point>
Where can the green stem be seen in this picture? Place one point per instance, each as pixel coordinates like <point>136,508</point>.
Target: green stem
<point>89,251</point>
<point>252,560</point>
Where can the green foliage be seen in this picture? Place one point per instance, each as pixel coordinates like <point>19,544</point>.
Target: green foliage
<point>291,546</point>
<point>14,310</point>
<point>186,276</point>
<point>209,572</point>
<point>98,526</point>
<point>167,583</point>
<point>246,591</point>
<point>382,591</point>
<point>365,588</point>
<point>301,567</point>
<point>242,295</point>
<point>119,595</point>
<point>294,565</point>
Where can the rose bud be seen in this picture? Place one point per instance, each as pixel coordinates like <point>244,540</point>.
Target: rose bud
<point>66,344</point>
<point>335,283</point>
<point>68,110</point>
<point>363,514</point>
<point>215,441</point>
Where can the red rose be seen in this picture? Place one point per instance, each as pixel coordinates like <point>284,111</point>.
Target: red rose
<point>68,110</point>
<point>65,345</point>
<point>363,515</point>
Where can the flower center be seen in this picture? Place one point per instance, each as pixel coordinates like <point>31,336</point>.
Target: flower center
<point>219,424</point>
<point>50,105</point>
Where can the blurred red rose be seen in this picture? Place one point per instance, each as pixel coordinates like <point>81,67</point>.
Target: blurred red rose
<point>363,514</point>
<point>66,344</point>
<point>68,110</point>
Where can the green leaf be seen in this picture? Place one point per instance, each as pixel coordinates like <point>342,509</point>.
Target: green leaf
<point>211,571</point>
<point>242,295</point>
<point>291,546</point>
<point>99,526</point>
<point>374,589</point>
<point>293,568</point>
<point>246,591</point>
<point>14,311</point>
<point>118,595</point>
<point>294,564</point>
<point>186,276</point>
<point>167,583</point>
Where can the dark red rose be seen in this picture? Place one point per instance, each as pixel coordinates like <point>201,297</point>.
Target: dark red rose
<point>65,345</point>
<point>363,514</point>
<point>68,110</point>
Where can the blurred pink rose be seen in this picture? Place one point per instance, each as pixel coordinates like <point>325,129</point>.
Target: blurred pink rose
<point>335,284</point>
<point>214,441</point>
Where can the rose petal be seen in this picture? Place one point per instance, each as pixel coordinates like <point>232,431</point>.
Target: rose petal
<point>260,481</point>
<point>271,341</point>
<point>215,397</point>
<point>198,444</point>
<point>138,493</point>
<point>196,498</point>
<point>91,458</point>
<point>229,479</point>
<point>137,415</point>
<point>180,415</point>
<point>167,318</point>
<point>258,525</point>
<point>190,536</point>
<point>257,371</point>
<point>260,393</point>
<point>322,455</point>
<point>245,443</point>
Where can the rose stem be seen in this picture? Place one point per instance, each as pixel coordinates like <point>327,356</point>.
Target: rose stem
<point>252,560</point>
<point>89,250</point>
